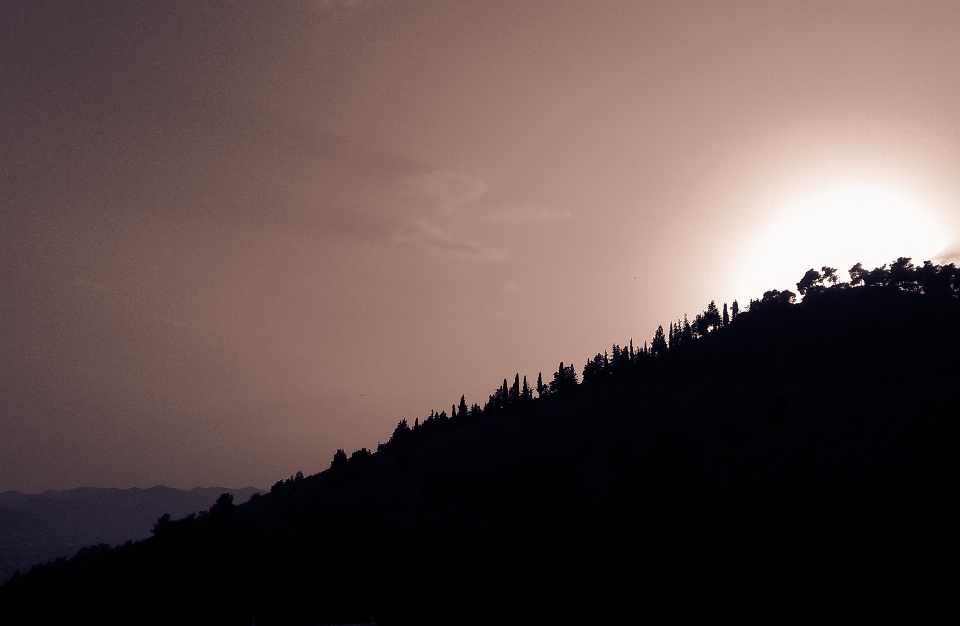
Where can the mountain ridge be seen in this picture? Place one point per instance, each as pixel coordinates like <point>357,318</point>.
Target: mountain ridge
<point>36,528</point>
<point>800,451</point>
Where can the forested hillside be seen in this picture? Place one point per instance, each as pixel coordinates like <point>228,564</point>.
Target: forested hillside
<point>787,450</point>
<point>41,527</point>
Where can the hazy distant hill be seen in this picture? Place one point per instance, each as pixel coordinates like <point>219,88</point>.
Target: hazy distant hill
<point>35,528</point>
<point>790,454</point>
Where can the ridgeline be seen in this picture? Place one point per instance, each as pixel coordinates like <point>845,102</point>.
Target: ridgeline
<point>791,452</point>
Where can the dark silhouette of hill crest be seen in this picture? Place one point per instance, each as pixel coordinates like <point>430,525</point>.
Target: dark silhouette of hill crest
<point>35,528</point>
<point>789,452</point>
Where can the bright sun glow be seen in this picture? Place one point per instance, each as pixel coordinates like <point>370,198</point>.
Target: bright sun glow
<point>838,228</point>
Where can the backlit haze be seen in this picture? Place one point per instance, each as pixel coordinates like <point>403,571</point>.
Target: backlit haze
<point>236,236</point>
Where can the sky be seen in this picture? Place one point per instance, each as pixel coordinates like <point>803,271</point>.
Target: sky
<point>237,236</point>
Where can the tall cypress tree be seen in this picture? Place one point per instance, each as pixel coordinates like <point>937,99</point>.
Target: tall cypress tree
<point>658,346</point>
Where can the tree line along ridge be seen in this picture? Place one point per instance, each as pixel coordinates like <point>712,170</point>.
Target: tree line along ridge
<point>626,362</point>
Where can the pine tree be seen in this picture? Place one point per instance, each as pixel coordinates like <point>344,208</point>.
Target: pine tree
<point>711,318</point>
<point>658,346</point>
<point>726,316</point>
<point>462,412</point>
<point>540,385</point>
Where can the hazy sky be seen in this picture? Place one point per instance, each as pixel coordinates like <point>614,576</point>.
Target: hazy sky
<point>236,236</point>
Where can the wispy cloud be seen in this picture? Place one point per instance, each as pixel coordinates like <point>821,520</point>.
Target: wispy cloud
<point>439,208</point>
<point>445,209</point>
<point>527,212</point>
<point>448,191</point>
<point>449,243</point>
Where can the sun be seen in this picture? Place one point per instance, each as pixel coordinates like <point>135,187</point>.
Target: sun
<point>838,228</point>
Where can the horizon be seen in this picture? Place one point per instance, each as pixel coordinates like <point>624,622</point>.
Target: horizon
<point>226,489</point>
<point>237,238</point>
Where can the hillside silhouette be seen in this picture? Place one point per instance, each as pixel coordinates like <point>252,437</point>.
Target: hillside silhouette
<point>784,452</point>
<point>35,528</point>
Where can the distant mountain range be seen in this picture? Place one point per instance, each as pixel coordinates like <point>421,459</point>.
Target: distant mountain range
<point>35,528</point>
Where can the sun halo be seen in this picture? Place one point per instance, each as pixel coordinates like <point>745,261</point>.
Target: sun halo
<point>837,228</point>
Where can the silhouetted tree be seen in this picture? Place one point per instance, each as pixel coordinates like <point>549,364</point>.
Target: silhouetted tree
<point>658,346</point>
<point>401,432</point>
<point>711,318</point>
<point>811,281</point>
<point>937,280</point>
<point>564,379</point>
<point>223,510</point>
<point>339,462</point>
<point>726,316</point>
<point>699,327</point>
<point>462,410</point>
<point>856,274</point>
<point>540,386</point>
<point>595,368</point>
<point>162,525</point>
<point>360,456</point>
<point>876,277</point>
<point>734,310</point>
<point>779,297</point>
<point>903,275</point>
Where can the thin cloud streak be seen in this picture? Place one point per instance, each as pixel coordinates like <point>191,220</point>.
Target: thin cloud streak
<point>528,212</point>
<point>438,240</point>
<point>442,201</point>
<point>450,191</point>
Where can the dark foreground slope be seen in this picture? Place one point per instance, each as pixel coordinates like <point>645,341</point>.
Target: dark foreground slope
<point>801,452</point>
<point>35,528</point>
